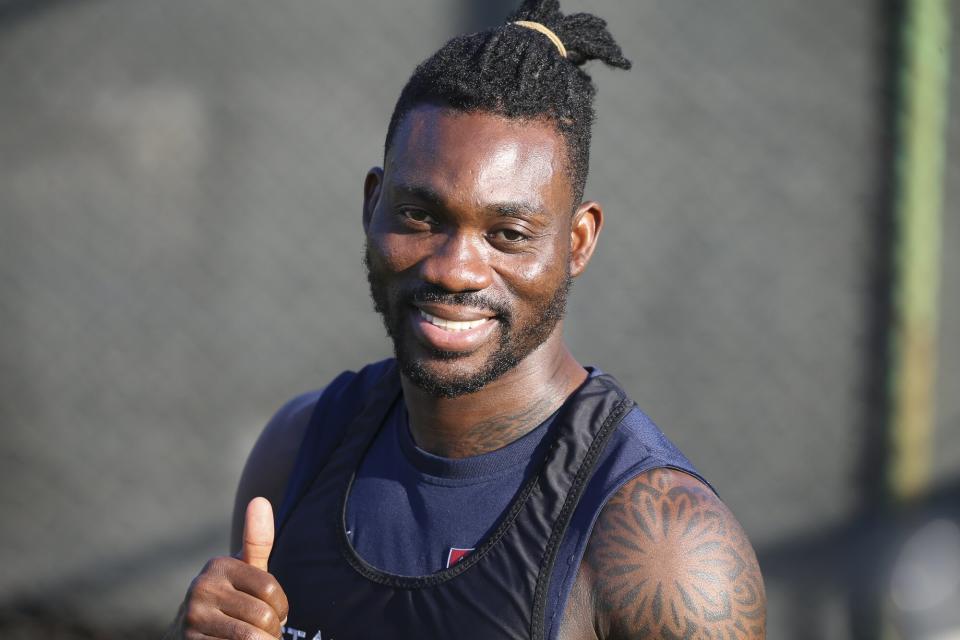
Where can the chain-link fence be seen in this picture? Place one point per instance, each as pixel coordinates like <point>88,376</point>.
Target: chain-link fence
<point>180,248</point>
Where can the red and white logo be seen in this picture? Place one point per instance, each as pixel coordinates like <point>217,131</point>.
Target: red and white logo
<point>455,555</point>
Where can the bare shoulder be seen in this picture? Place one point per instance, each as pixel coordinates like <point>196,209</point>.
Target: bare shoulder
<point>271,460</point>
<point>667,559</point>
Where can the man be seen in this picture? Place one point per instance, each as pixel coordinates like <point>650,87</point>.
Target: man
<point>484,484</point>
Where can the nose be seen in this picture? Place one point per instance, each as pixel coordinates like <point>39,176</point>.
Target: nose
<point>458,264</point>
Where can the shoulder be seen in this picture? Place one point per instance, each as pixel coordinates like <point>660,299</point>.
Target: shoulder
<point>667,558</point>
<point>272,458</point>
<point>280,439</point>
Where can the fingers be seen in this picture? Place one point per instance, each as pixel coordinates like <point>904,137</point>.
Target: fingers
<point>254,612</point>
<point>234,598</point>
<point>227,577</point>
<point>263,587</point>
<point>258,533</point>
<point>211,623</point>
<point>229,591</point>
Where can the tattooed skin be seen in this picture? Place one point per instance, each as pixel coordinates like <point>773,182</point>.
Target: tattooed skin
<point>501,430</point>
<point>490,433</point>
<point>667,560</point>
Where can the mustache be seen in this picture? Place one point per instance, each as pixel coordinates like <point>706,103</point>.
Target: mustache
<point>473,299</point>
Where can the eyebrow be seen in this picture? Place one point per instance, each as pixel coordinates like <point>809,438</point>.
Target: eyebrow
<point>420,192</point>
<point>518,209</point>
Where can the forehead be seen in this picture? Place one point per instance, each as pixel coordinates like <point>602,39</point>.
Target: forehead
<point>480,154</point>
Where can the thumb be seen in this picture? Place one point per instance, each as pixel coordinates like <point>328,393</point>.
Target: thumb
<point>258,533</point>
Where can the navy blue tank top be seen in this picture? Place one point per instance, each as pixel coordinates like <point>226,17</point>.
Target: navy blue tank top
<point>405,513</point>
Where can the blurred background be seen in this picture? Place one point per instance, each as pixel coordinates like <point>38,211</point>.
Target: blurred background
<point>180,252</point>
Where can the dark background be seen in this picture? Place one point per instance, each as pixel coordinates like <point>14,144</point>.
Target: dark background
<point>180,252</point>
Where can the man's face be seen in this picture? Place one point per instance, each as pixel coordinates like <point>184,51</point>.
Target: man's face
<point>468,244</point>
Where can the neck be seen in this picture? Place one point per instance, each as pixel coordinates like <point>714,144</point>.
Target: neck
<point>502,411</point>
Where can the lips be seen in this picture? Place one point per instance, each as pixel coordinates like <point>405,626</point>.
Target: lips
<point>452,328</point>
<point>452,325</point>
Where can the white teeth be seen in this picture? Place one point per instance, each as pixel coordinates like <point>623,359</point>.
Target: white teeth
<point>451,325</point>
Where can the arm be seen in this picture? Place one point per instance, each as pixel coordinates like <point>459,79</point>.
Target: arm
<point>667,559</point>
<point>234,596</point>
<point>270,462</point>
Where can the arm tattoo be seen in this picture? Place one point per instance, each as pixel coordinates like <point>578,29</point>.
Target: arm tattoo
<point>667,560</point>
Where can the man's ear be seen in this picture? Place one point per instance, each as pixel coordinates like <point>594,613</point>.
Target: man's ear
<point>584,231</point>
<point>371,195</point>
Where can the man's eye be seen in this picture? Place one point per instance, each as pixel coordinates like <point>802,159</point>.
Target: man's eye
<point>509,235</point>
<point>417,215</point>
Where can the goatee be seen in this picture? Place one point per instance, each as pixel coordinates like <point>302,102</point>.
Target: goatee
<point>515,342</point>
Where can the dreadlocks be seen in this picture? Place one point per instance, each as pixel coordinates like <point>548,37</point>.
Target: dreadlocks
<point>517,72</point>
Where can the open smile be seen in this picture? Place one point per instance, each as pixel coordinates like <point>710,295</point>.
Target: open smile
<point>451,328</point>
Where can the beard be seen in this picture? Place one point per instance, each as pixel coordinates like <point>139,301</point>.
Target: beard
<point>517,337</point>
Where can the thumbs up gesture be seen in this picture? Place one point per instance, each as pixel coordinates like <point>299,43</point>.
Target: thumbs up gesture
<point>258,533</point>
<point>236,599</point>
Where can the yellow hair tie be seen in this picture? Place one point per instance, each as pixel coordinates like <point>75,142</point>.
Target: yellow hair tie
<point>536,26</point>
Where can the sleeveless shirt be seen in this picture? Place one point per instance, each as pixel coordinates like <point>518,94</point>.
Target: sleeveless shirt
<point>516,581</point>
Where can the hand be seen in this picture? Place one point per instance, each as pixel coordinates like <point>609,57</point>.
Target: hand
<point>236,599</point>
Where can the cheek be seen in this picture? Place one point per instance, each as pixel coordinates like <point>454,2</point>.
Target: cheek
<point>394,252</point>
<point>537,276</point>
<point>531,272</point>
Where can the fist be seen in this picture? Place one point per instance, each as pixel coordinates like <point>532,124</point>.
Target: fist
<point>236,599</point>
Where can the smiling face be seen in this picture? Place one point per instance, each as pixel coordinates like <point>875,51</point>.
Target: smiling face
<point>471,245</point>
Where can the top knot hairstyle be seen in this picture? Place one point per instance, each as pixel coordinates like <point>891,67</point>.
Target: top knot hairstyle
<point>518,72</point>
